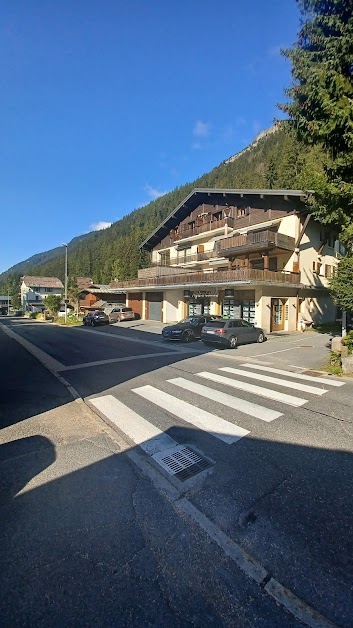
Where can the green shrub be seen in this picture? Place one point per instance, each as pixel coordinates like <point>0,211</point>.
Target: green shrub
<point>335,363</point>
<point>348,341</point>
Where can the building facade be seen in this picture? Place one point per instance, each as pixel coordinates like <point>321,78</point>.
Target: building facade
<point>254,254</point>
<point>35,289</point>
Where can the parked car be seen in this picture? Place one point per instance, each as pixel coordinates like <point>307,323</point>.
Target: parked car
<point>96,318</point>
<point>187,329</point>
<point>121,313</point>
<point>230,333</point>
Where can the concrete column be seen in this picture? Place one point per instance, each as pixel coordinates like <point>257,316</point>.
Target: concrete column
<point>127,299</point>
<point>143,306</point>
<point>266,261</point>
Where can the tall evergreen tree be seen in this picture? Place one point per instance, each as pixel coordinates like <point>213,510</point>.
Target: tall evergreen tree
<point>320,110</point>
<point>320,106</point>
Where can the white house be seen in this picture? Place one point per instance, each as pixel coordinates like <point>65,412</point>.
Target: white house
<point>35,289</point>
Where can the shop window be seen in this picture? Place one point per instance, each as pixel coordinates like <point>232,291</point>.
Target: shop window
<point>248,311</point>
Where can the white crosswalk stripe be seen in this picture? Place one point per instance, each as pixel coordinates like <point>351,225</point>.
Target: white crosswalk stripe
<point>247,407</point>
<point>141,432</point>
<point>154,441</point>
<point>275,380</point>
<point>308,378</point>
<point>252,388</point>
<point>224,430</point>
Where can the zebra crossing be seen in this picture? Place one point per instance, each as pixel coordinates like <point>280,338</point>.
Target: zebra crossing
<point>156,443</point>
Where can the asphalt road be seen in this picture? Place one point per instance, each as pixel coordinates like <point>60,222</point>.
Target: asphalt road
<point>279,446</point>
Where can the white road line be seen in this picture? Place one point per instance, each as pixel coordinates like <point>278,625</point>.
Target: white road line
<point>128,358</point>
<point>259,355</point>
<point>247,407</point>
<point>219,428</point>
<point>256,390</point>
<point>309,378</point>
<point>141,432</point>
<point>275,380</point>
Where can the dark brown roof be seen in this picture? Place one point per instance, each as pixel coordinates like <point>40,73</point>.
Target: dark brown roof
<point>83,282</point>
<point>42,282</point>
<point>202,195</point>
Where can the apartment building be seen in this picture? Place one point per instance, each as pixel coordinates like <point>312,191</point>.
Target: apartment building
<point>254,254</point>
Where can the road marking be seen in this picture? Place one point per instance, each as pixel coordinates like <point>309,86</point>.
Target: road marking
<point>247,407</point>
<point>309,378</point>
<point>259,355</point>
<point>177,348</point>
<point>141,432</point>
<point>129,358</point>
<point>275,380</point>
<point>252,388</point>
<point>219,428</point>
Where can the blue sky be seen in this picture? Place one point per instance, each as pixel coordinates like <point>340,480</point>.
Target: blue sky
<point>106,105</point>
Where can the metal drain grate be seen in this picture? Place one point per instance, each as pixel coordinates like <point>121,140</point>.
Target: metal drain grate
<point>181,462</point>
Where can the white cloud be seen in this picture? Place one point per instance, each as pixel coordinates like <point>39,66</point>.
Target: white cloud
<point>97,226</point>
<point>201,129</point>
<point>153,192</point>
<point>196,145</point>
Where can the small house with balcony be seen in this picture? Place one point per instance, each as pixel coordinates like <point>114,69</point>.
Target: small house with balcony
<point>254,254</point>
<point>35,289</point>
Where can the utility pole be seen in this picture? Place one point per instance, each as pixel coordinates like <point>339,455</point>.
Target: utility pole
<point>8,301</point>
<point>65,245</point>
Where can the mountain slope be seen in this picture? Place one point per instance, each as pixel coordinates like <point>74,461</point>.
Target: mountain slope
<point>273,160</point>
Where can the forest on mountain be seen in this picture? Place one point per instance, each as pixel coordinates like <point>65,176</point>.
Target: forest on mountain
<point>277,160</point>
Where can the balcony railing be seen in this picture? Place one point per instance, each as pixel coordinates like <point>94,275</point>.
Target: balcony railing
<point>217,277</point>
<point>185,259</point>
<point>253,241</point>
<point>185,231</point>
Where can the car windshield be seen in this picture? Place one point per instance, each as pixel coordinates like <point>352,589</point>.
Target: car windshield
<point>189,320</point>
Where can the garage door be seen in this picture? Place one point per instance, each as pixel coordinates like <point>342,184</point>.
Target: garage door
<point>135,301</point>
<point>154,311</point>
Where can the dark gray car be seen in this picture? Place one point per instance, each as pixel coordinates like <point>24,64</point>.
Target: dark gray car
<point>230,333</point>
<point>96,318</point>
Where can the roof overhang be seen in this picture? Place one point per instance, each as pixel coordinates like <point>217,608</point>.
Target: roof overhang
<point>203,195</point>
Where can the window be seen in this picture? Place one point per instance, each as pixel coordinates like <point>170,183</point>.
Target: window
<point>47,289</point>
<point>328,271</point>
<point>328,238</point>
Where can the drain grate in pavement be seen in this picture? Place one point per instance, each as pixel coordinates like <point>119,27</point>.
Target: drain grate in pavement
<point>181,462</point>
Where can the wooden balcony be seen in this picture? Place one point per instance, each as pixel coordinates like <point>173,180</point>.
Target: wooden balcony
<point>186,259</point>
<point>186,231</point>
<point>246,275</point>
<point>254,241</point>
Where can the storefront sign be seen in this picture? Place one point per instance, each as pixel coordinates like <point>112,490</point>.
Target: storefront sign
<point>204,295</point>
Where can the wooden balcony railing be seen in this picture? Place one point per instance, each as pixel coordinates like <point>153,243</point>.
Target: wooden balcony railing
<point>185,259</point>
<point>255,240</point>
<point>185,231</point>
<point>217,277</point>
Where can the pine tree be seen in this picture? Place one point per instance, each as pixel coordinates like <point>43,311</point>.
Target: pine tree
<point>321,98</point>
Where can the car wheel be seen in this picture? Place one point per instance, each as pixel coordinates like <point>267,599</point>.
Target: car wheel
<point>261,337</point>
<point>119,319</point>
<point>232,342</point>
<point>92,323</point>
<point>187,335</point>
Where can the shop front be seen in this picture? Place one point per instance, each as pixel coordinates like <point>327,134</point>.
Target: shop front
<point>238,304</point>
<point>199,301</point>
